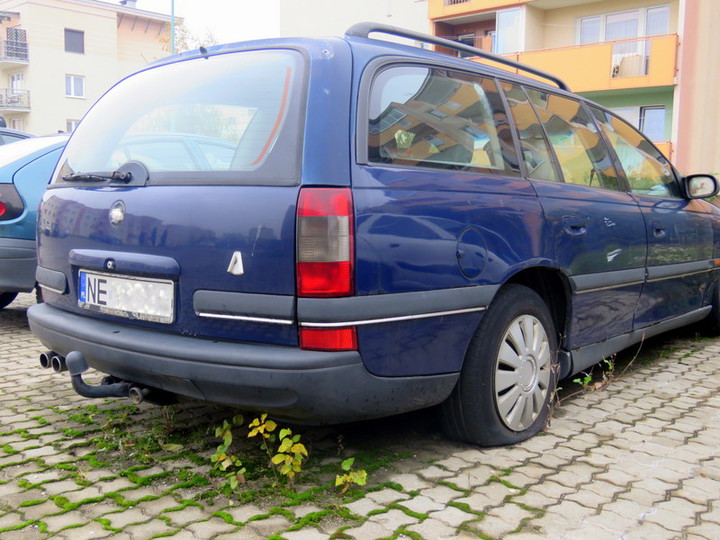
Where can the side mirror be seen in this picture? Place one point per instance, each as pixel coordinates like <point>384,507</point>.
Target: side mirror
<point>700,186</point>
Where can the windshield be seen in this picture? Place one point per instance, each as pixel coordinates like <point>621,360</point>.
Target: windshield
<point>225,117</point>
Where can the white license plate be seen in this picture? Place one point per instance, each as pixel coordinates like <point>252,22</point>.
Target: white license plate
<point>135,298</point>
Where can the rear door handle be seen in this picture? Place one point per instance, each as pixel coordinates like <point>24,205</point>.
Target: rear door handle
<point>574,226</point>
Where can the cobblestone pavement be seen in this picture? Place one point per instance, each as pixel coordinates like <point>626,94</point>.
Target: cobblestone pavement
<point>637,460</point>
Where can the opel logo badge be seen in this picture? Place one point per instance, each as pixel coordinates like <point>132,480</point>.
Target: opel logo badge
<point>117,213</point>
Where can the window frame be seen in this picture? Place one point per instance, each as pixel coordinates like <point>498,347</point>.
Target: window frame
<point>74,41</point>
<point>642,13</point>
<point>72,80</point>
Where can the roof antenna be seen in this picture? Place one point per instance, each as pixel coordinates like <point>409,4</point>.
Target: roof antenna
<point>203,52</point>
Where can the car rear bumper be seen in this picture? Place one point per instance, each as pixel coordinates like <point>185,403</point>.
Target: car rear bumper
<point>18,260</point>
<point>291,384</point>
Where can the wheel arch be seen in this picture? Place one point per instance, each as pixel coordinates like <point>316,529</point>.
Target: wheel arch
<point>554,288</point>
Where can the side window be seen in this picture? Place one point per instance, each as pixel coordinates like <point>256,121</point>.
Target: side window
<point>646,169</point>
<point>536,153</point>
<point>579,148</point>
<point>427,117</point>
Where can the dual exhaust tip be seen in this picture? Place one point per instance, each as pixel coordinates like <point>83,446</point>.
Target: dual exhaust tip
<point>76,364</point>
<point>49,359</point>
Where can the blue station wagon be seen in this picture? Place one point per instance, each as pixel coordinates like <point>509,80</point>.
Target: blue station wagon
<point>395,228</point>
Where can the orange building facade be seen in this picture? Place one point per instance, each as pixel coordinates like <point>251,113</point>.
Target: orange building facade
<point>650,61</point>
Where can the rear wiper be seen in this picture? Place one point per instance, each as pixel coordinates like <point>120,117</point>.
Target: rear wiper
<point>116,176</point>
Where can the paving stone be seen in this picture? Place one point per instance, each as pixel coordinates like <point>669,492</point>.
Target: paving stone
<point>393,518</point>
<point>370,529</point>
<point>454,517</point>
<point>149,529</point>
<point>385,496</point>
<point>209,528</point>
<point>421,504</point>
<point>269,526</point>
<point>362,507</point>
<point>308,533</point>
<point>241,514</point>
<point>410,482</point>
<point>121,519</point>
<point>433,528</point>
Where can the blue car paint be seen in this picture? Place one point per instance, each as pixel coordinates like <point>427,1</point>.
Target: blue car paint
<point>30,173</point>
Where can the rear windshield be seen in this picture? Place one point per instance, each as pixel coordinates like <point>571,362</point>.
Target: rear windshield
<point>227,118</point>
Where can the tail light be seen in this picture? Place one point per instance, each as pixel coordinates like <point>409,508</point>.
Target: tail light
<point>325,243</point>
<point>325,252</point>
<point>11,205</point>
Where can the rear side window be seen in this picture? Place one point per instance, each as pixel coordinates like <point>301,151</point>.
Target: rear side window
<point>430,117</point>
<point>203,119</point>
<point>646,169</point>
<point>536,153</point>
<point>580,150</point>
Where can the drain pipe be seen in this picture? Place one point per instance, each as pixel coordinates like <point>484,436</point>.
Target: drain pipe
<point>77,365</point>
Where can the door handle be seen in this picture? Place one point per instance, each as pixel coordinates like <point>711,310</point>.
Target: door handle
<point>574,226</point>
<point>658,229</point>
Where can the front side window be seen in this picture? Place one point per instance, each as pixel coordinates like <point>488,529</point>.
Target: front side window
<point>75,86</point>
<point>579,148</point>
<point>427,117</point>
<point>222,116</point>
<point>646,169</point>
<point>74,41</point>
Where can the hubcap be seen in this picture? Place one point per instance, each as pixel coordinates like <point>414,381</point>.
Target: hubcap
<point>522,373</point>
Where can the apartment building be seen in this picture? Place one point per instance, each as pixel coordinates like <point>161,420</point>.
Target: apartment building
<point>650,61</point>
<point>58,56</point>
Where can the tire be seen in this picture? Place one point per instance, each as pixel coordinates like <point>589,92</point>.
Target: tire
<point>6,298</point>
<point>711,325</point>
<point>509,376</point>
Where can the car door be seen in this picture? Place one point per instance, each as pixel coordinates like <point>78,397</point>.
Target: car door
<point>595,226</point>
<point>678,230</point>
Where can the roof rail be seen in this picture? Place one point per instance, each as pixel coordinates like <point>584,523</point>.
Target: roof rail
<point>364,29</point>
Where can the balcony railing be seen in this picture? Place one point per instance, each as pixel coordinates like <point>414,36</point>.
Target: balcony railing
<point>441,9</point>
<point>13,51</point>
<point>14,100</point>
<point>612,65</point>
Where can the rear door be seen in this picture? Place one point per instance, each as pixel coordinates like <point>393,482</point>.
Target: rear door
<point>595,227</point>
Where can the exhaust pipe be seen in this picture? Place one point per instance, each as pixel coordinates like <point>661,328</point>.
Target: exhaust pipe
<point>58,363</point>
<point>138,394</point>
<point>46,359</point>
<point>77,365</point>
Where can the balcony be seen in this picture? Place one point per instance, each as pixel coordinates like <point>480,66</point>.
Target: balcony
<point>446,9</point>
<point>14,100</point>
<point>612,65</point>
<point>13,53</point>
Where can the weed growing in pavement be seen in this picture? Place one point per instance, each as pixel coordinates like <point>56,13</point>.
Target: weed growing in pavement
<point>225,461</point>
<point>349,476</point>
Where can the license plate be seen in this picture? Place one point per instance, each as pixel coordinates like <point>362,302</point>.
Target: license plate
<point>144,299</point>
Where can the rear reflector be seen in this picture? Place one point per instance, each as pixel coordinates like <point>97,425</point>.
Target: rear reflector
<point>328,339</point>
<point>325,243</point>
